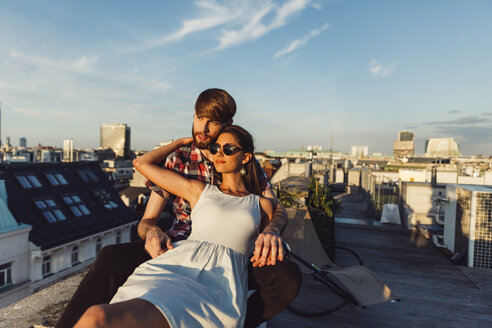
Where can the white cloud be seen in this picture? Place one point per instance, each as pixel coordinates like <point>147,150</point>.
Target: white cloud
<point>240,20</point>
<point>378,69</point>
<point>82,65</point>
<point>211,14</point>
<point>46,71</point>
<point>298,43</point>
<point>256,25</point>
<point>60,89</point>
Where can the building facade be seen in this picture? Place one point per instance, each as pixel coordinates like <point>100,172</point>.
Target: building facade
<point>117,137</point>
<point>441,147</point>
<point>404,146</point>
<point>359,151</point>
<point>60,216</point>
<point>68,150</point>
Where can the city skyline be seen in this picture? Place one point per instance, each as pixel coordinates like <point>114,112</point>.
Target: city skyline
<point>299,70</point>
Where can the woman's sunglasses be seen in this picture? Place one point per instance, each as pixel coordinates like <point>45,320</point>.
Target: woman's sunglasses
<point>228,149</point>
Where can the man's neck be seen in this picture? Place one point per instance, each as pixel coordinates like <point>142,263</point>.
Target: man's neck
<point>206,154</point>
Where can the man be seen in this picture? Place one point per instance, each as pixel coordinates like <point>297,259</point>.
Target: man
<point>276,282</point>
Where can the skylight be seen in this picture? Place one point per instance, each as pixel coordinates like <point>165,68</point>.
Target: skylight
<point>34,181</point>
<point>104,199</point>
<point>49,217</point>
<point>52,179</point>
<point>61,178</point>
<point>75,210</point>
<point>23,182</point>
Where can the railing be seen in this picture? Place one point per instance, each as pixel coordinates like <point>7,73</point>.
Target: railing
<point>378,190</point>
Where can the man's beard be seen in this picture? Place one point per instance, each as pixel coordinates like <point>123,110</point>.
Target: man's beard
<point>201,144</point>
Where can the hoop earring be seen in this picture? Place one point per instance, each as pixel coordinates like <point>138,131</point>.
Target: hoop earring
<point>242,172</point>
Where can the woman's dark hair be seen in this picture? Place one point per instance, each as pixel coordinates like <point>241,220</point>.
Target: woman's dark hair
<point>253,169</point>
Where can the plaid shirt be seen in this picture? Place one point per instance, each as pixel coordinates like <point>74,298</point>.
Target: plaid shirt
<point>190,162</point>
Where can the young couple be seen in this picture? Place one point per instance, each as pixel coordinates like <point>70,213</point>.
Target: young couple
<point>201,281</point>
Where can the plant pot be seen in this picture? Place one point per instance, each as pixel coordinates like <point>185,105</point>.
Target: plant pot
<point>325,229</point>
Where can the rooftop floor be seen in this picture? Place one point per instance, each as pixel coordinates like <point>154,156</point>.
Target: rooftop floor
<point>432,291</point>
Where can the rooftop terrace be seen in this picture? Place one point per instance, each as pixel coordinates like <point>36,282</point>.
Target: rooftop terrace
<point>432,291</point>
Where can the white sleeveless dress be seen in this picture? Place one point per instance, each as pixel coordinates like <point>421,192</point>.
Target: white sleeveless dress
<point>202,282</point>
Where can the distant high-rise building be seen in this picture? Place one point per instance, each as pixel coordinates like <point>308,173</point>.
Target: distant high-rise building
<point>22,142</point>
<point>359,151</point>
<point>117,137</point>
<point>405,145</point>
<point>68,150</point>
<point>441,147</point>
<point>405,136</point>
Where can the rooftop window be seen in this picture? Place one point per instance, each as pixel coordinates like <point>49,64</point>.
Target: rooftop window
<point>59,215</point>
<point>34,181</point>
<point>51,178</point>
<point>61,178</point>
<point>76,205</point>
<point>49,216</point>
<point>56,179</point>
<point>28,181</point>
<point>50,210</point>
<point>84,209</point>
<point>40,204</point>
<point>23,182</point>
<point>105,199</point>
<point>87,175</point>
<point>75,210</point>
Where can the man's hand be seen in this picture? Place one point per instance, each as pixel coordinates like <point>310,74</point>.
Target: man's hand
<point>268,249</point>
<point>157,242</point>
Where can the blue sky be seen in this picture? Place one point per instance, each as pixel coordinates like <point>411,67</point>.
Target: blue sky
<point>299,70</point>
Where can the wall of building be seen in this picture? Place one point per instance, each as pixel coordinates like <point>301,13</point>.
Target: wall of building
<point>354,177</point>
<point>444,177</point>
<point>288,170</point>
<point>138,180</point>
<point>14,249</point>
<point>61,257</point>
<point>488,178</point>
<point>403,148</point>
<point>412,175</point>
<point>417,202</point>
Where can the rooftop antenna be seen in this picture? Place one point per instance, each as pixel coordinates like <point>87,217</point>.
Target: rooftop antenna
<point>330,180</point>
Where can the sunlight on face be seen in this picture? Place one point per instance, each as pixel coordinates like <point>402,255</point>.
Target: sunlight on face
<point>205,131</point>
<point>224,163</point>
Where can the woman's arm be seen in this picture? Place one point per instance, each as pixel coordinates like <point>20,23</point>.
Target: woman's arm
<point>175,183</point>
<point>267,253</point>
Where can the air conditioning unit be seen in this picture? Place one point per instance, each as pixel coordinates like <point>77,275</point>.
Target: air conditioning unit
<point>468,223</point>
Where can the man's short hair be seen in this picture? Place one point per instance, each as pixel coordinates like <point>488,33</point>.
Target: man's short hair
<point>215,104</point>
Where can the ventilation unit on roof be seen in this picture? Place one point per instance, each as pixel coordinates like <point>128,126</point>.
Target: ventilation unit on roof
<point>468,223</point>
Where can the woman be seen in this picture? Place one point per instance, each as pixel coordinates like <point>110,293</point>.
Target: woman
<point>202,281</point>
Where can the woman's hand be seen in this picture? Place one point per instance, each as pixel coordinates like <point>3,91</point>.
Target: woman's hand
<point>268,249</point>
